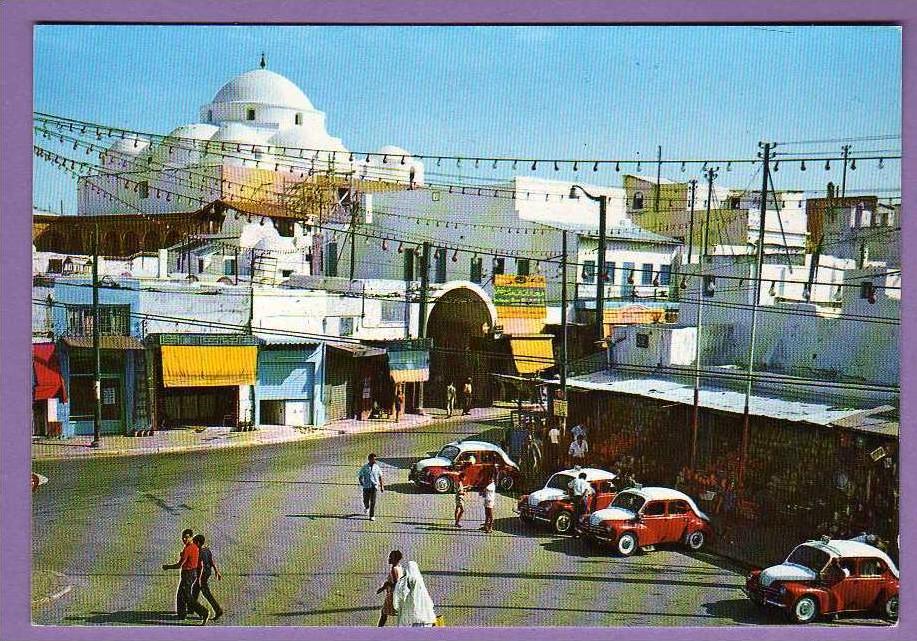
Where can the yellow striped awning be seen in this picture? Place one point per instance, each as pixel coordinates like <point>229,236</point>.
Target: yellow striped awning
<point>208,366</point>
<point>532,354</point>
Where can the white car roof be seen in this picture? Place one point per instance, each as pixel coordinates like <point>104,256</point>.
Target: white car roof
<point>465,446</point>
<point>592,473</point>
<point>666,494</point>
<point>844,548</point>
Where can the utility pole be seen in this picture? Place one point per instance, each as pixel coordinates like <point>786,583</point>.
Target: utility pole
<point>353,231</point>
<point>695,415</point>
<point>711,174</point>
<point>846,149</point>
<point>600,281</point>
<point>422,320</point>
<point>658,180</point>
<point>691,223</point>
<point>756,301</point>
<point>563,313</point>
<point>96,350</point>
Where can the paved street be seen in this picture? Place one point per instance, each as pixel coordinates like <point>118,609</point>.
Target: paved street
<point>288,532</point>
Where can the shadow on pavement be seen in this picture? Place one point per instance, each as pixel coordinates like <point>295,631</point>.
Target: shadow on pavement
<point>514,525</point>
<point>582,548</point>
<point>133,617</point>
<point>305,613</point>
<point>401,462</point>
<point>744,611</point>
<point>339,517</point>
<point>406,488</point>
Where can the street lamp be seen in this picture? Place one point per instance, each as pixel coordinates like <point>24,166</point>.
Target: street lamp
<point>600,267</point>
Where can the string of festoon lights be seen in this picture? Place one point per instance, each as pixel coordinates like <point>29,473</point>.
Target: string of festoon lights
<point>406,244</point>
<point>513,163</point>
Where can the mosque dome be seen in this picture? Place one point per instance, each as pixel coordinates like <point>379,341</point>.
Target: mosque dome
<point>239,133</point>
<point>307,138</point>
<point>264,87</point>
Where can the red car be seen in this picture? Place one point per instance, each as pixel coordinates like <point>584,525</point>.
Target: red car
<point>828,577</point>
<point>469,458</point>
<point>641,517</point>
<point>552,504</point>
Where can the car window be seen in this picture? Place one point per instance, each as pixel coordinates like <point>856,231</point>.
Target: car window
<point>679,507</point>
<point>560,482</point>
<point>602,486</point>
<point>850,565</point>
<point>486,457</point>
<point>809,557</point>
<point>654,508</point>
<point>871,567</point>
<point>449,452</point>
<point>628,501</point>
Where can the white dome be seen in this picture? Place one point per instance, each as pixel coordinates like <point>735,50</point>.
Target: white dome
<point>264,87</point>
<point>133,146</point>
<point>392,150</point>
<point>196,131</point>
<point>307,138</point>
<point>237,132</point>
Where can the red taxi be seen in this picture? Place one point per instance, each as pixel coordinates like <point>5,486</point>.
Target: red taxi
<point>553,504</point>
<point>642,517</point>
<point>468,458</point>
<point>828,577</point>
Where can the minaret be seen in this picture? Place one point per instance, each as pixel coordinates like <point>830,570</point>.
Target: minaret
<point>263,61</point>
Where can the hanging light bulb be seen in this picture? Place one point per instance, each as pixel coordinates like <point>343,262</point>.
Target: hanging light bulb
<point>827,165</point>
<point>400,248</point>
<point>575,165</point>
<point>853,164</point>
<point>534,165</point>
<point>402,160</point>
<point>704,168</point>
<point>802,167</point>
<point>729,166</point>
<point>630,277</point>
<point>655,279</point>
<point>682,166</point>
<point>684,282</point>
<point>617,166</point>
<point>839,294</point>
<point>881,163</point>
<point>384,245</point>
<point>385,159</point>
<point>773,290</point>
<point>351,157</point>
<point>556,168</point>
<point>639,165</point>
<point>455,256</point>
<point>515,162</point>
<point>595,166</point>
<point>495,164</point>
<point>777,166</point>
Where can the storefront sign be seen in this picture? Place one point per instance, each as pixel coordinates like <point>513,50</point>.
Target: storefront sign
<point>520,296</point>
<point>877,453</point>
<point>560,408</point>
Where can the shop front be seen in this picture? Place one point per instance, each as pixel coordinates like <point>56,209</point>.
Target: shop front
<point>408,368</point>
<point>49,390</point>
<point>204,379</point>
<point>289,383</point>
<point>354,380</point>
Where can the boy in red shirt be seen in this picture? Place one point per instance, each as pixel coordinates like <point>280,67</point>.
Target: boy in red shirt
<point>188,562</point>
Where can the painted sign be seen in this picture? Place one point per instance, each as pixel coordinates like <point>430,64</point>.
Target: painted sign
<point>521,303</point>
<point>560,408</point>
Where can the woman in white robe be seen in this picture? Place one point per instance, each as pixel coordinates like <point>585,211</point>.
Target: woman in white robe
<point>413,602</point>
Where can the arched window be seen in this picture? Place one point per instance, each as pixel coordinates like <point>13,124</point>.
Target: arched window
<point>249,114</point>
<point>638,200</point>
<point>297,119</point>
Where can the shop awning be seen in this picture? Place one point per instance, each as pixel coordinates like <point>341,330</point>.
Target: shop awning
<point>357,350</point>
<point>105,342</point>
<point>532,354</point>
<point>409,366</point>
<point>208,366</point>
<point>48,380</point>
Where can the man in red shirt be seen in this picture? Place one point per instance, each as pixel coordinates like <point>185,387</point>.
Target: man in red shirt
<point>187,562</point>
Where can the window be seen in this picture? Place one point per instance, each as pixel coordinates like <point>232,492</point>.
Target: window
<point>646,275</point>
<point>610,273</point>
<point>210,115</point>
<point>392,311</point>
<point>678,507</point>
<point>638,200</point>
<point>867,290</point>
<point>143,189</point>
<point>285,227</point>
<point>346,326</point>
<point>55,265</point>
<point>229,266</point>
<point>114,320</point>
<point>297,119</point>
<point>709,286</point>
<point>331,263</point>
<point>249,114</point>
<point>440,273</point>
<point>629,270</point>
<point>522,266</point>
<point>665,275</point>
<point>734,202</point>
<point>82,396</point>
<point>499,265</point>
<point>589,271</point>
<point>654,508</point>
<point>200,265</point>
<point>286,273</point>
<point>871,567</point>
<point>643,340</point>
<point>476,269</point>
<point>409,264</point>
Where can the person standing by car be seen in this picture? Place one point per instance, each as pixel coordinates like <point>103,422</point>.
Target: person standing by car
<point>370,479</point>
<point>580,491</point>
<point>579,448</point>
<point>490,497</point>
<point>391,580</point>
<point>206,567</point>
<point>460,491</point>
<point>450,399</point>
<point>187,563</point>
<point>467,393</point>
<point>553,448</point>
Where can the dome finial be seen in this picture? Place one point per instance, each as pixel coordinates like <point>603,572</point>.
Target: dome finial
<point>263,61</point>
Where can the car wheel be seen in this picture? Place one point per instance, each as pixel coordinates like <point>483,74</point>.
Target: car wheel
<point>695,540</point>
<point>563,522</point>
<point>890,608</point>
<point>627,544</point>
<point>805,610</point>
<point>442,485</point>
<point>506,483</point>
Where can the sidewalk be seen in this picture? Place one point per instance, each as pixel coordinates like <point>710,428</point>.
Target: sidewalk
<point>186,440</point>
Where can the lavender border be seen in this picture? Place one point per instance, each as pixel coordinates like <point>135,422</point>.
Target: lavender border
<point>16,201</point>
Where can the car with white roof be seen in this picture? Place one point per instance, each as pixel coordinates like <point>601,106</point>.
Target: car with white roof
<point>468,459</point>
<point>553,504</point>
<point>826,577</point>
<point>644,517</point>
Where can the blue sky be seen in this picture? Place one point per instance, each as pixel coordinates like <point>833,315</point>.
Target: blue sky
<point>502,91</point>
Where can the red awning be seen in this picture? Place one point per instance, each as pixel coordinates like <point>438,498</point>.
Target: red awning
<point>48,381</point>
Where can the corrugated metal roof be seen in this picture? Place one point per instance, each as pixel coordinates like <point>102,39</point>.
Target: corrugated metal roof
<point>634,233</point>
<point>105,342</point>
<point>284,339</point>
<point>732,401</point>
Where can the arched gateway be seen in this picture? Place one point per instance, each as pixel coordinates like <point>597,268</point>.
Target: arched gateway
<point>460,324</point>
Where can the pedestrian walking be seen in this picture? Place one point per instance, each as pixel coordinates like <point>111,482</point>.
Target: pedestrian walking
<point>187,563</point>
<point>553,447</point>
<point>581,491</point>
<point>578,430</point>
<point>391,579</point>
<point>579,448</point>
<point>412,600</point>
<point>490,497</point>
<point>460,491</point>
<point>450,399</point>
<point>467,395</point>
<point>370,479</point>
<point>399,402</point>
<point>206,567</point>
